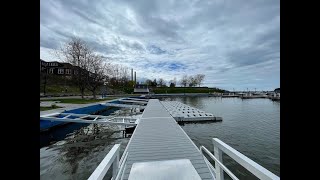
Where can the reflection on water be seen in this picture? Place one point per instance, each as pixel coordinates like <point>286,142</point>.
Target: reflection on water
<point>59,133</point>
<point>251,126</point>
<point>80,153</point>
<point>77,155</point>
<point>194,101</point>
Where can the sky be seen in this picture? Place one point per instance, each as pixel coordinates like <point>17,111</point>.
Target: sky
<point>235,44</point>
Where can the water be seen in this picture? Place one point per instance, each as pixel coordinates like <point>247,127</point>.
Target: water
<point>61,132</point>
<point>77,156</point>
<point>251,126</point>
<point>73,151</point>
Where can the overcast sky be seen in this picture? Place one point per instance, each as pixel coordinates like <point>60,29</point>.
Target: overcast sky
<point>236,44</point>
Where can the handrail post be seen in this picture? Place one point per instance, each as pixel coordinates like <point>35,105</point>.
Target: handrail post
<point>115,165</point>
<point>219,170</point>
<point>256,169</point>
<point>112,158</point>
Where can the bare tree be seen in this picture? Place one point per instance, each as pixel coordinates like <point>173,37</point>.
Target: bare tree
<point>148,82</point>
<point>90,69</point>
<point>184,81</point>
<point>110,73</point>
<point>154,83</point>
<point>119,74</point>
<point>77,53</point>
<point>173,83</point>
<point>192,81</point>
<point>96,68</point>
<point>199,78</point>
<point>124,75</point>
<point>161,82</point>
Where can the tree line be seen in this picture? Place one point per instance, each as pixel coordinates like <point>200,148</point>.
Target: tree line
<point>186,81</point>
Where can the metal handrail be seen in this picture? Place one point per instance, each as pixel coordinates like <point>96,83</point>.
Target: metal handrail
<point>251,166</point>
<point>122,165</point>
<point>202,148</point>
<point>211,168</point>
<point>97,119</point>
<point>112,158</point>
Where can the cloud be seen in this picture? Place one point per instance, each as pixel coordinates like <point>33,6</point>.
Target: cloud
<point>233,43</point>
<point>155,50</point>
<point>167,66</point>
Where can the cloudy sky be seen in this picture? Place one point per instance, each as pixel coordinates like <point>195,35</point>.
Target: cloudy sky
<point>235,43</point>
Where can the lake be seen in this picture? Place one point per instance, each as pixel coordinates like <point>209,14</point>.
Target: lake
<point>251,126</point>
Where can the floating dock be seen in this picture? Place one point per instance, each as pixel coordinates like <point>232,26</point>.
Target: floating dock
<point>122,105</point>
<point>158,137</point>
<point>160,149</point>
<point>133,101</point>
<point>91,119</point>
<point>183,112</point>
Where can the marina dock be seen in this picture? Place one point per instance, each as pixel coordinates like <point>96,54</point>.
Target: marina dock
<point>160,149</point>
<point>185,113</point>
<point>158,137</point>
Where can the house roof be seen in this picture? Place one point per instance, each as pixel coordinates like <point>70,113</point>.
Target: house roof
<point>67,65</point>
<point>49,61</point>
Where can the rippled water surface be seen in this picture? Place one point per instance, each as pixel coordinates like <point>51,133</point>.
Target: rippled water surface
<point>251,126</point>
<point>73,151</point>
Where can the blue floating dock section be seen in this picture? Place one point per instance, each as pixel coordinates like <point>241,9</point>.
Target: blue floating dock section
<point>87,110</point>
<point>46,125</point>
<point>116,102</point>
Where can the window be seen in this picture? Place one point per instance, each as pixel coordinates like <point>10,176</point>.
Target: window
<point>60,71</point>
<point>68,71</point>
<point>53,64</point>
<point>51,70</point>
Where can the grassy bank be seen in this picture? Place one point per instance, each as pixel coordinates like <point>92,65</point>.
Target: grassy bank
<point>79,100</point>
<point>57,85</point>
<point>59,89</point>
<point>164,90</point>
<point>49,108</point>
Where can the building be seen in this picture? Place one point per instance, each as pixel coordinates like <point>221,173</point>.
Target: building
<point>277,90</point>
<point>57,68</point>
<point>141,89</point>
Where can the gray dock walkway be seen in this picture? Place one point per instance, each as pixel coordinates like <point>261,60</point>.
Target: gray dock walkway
<point>158,137</point>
